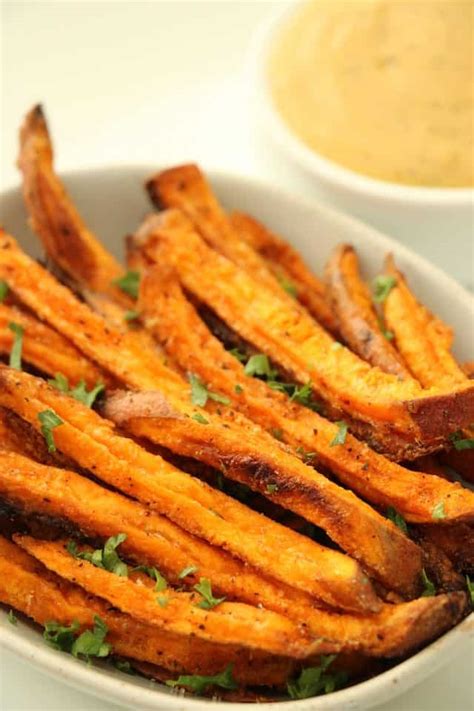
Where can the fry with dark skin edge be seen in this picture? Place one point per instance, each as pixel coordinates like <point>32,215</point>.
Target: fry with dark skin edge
<point>228,623</point>
<point>90,440</point>
<point>457,542</point>
<point>302,348</point>
<point>351,302</point>
<point>46,349</point>
<point>425,342</point>
<point>392,632</point>
<point>174,321</point>
<point>287,265</point>
<point>28,587</point>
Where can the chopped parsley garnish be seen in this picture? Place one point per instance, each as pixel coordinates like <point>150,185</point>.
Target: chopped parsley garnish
<point>106,558</point>
<point>123,666</point>
<point>470,588</point>
<point>12,619</point>
<point>271,488</point>
<point>389,335</point>
<point>199,684</point>
<point>129,283</point>
<point>382,286</point>
<point>59,636</point>
<point>241,357</point>
<point>188,570</point>
<point>203,587</point>
<point>461,443</point>
<point>438,511</point>
<point>91,643</point>
<point>79,392</point>
<point>397,519</point>
<point>428,587</point>
<point>238,389</point>
<point>154,573</point>
<point>313,681</point>
<point>4,289</point>
<point>131,315</point>
<point>340,436</point>
<point>305,456</point>
<point>162,600</point>
<point>49,420</point>
<point>277,433</point>
<point>288,286</point>
<point>259,365</point>
<point>200,394</point>
<point>17,346</point>
<point>199,418</point>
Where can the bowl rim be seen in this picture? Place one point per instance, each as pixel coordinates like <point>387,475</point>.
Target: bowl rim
<point>315,163</point>
<point>115,687</point>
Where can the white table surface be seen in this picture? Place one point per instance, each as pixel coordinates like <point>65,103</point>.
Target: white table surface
<point>152,82</point>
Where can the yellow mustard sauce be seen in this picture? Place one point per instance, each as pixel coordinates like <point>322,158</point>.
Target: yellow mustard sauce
<point>383,87</point>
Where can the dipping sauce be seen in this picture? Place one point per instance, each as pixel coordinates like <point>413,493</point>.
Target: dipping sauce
<point>383,87</point>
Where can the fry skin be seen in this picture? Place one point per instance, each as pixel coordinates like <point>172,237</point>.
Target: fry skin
<point>90,440</point>
<point>229,623</point>
<point>351,302</point>
<point>288,266</point>
<point>28,587</point>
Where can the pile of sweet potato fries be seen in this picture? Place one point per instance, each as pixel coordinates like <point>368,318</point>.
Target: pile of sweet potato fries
<point>217,469</point>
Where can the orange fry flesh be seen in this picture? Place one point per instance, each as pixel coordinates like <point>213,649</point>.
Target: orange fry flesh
<point>301,347</point>
<point>176,324</point>
<point>90,440</point>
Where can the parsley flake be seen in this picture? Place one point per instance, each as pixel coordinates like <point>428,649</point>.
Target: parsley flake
<point>49,420</point>
<point>162,600</point>
<point>123,665</point>
<point>382,286</point>
<point>313,681</point>
<point>271,488</point>
<point>208,600</point>
<point>11,617</point>
<point>470,588</point>
<point>305,456</point>
<point>154,573</point>
<point>238,389</point>
<point>131,315</point>
<point>461,443</point>
<point>79,392</point>
<point>340,436</point>
<point>91,643</point>
<point>106,558</point>
<point>199,418</point>
<point>60,637</point>
<point>236,353</point>
<point>259,365</point>
<point>199,684</point>
<point>17,346</point>
<point>438,511</point>
<point>277,433</point>
<point>200,394</point>
<point>429,587</point>
<point>397,519</point>
<point>129,283</point>
<point>4,289</point>
<point>288,286</point>
<point>188,570</point>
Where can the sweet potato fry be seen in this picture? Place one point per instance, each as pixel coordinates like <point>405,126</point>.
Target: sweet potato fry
<point>192,504</point>
<point>46,349</point>
<point>456,541</point>
<point>419,337</point>
<point>55,219</point>
<point>302,348</point>
<point>28,587</point>
<point>228,623</point>
<point>175,322</point>
<point>287,265</point>
<point>351,303</point>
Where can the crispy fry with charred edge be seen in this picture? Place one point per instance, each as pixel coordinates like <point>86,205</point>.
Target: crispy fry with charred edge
<point>393,631</point>
<point>174,321</point>
<point>425,342</point>
<point>228,623</point>
<point>287,265</point>
<point>456,541</point>
<point>420,337</point>
<point>352,305</point>
<point>192,504</point>
<point>30,588</point>
<point>46,349</point>
<point>55,219</point>
<point>301,347</point>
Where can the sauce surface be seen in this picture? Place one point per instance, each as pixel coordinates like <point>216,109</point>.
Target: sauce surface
<point>383,87</point>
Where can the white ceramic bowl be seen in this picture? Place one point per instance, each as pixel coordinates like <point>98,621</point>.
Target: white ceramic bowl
<point>112,201</point>
<point>413,214</point>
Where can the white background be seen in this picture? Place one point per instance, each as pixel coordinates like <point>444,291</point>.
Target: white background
<point>160,82</point>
